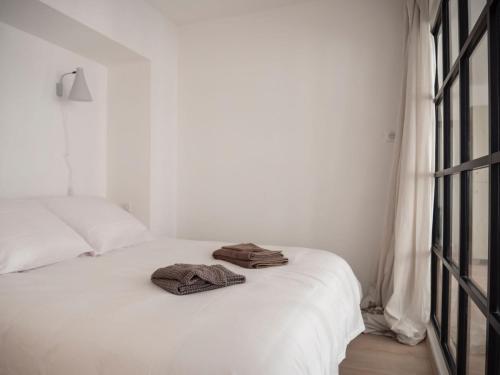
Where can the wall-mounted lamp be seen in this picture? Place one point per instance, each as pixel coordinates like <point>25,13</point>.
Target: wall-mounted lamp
<point>80,91</point>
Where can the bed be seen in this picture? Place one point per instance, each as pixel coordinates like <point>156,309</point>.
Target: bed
<point>103,315</point>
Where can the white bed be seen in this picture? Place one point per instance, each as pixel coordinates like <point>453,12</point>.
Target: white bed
<point>102,315</point>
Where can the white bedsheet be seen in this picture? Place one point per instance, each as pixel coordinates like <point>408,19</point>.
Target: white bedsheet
<point>104,316</point>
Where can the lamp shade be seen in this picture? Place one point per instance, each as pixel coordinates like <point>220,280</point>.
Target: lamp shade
<point>80,91</point>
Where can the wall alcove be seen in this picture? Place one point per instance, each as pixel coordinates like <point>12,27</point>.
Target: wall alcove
<point>126,113</point>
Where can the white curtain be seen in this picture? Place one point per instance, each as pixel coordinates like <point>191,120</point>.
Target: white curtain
<point>399,303</point>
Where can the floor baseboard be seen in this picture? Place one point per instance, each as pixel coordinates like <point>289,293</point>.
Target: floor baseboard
<point>437,354</point>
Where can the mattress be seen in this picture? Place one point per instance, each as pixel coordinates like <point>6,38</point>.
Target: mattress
<point>102,315</point>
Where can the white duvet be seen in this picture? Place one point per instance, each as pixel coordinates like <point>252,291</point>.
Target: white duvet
<point>104,316</point>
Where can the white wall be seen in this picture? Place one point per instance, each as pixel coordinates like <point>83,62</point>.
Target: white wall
<point>283,116</point>
<point>144,30</point>
<point>129,137</point>
<point>31,132</point>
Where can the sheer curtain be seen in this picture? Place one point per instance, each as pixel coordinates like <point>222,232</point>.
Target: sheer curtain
<point>399,303</point>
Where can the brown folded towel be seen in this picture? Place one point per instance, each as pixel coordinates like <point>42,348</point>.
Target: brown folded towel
<point>254,263</point>
<point>248,251</point>
<point>184,279</point>
<point>249,255</point>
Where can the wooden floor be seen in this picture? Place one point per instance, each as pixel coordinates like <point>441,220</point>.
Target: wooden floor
<point>378,355</point>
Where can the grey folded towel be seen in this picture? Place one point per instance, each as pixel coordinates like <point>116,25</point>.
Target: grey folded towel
<point>249,255</point>
<point>184,279</point>
<point>248,251</point>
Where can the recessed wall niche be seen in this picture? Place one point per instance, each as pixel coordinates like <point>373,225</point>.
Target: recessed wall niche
<point>127,143</point>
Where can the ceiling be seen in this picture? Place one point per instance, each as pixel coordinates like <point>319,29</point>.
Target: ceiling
<point>189,11</point>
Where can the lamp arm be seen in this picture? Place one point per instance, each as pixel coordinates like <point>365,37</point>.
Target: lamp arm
<point>59,85</point>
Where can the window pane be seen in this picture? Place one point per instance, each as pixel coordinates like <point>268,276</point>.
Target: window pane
<point>454,45</point>
<point>476,348</point>
<point>479,228</point>
<point>440,56</point>
<point>440,213</point>
<point>440,135</point>
<point>452,318</point>
<point>455,122</point>
<point>455,218</point>
<point>439,285</point>
<point>475,9</point>
<point>478,102</point>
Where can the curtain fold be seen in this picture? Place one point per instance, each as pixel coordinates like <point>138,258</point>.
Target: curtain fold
<point>399,302</point>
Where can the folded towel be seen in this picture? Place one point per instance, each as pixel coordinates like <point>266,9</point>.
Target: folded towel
<point>249,255</point>
<point>248,251</point>
<point>184,279</point>
<point>254,263</point>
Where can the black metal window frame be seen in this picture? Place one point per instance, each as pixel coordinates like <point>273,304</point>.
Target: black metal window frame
<point>488,21</point>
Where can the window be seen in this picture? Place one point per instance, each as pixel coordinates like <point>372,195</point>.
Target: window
<point>466,231</point>
<point>440,63</point>
<point>439,284</point>
<point>455,219</point>
<point>453,24</point>
<point>455,121</point>
<point>476,340</point>
<point>474,9</point>
<point>440,136</point>
<point>478,100</point>
<point>440,211</point>
<point>453,319</point>
<point>478,266</point>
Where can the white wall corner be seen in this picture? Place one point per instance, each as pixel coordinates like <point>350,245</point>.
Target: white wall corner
<point>437,353</point>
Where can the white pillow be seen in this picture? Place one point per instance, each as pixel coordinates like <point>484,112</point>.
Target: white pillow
<point>101,223</point>
<point>31,236</point>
